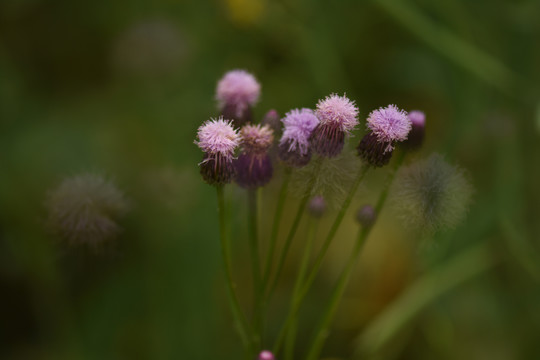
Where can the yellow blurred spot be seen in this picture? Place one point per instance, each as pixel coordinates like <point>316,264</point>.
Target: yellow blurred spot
<point>245,12</point>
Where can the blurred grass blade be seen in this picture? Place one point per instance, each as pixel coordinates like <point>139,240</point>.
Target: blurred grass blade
<point>458,50</point>
<point>524,253</point>
<point>420,294</point>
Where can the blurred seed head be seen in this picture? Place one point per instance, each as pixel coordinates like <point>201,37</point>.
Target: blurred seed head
<point>84,209</point>
<point>432,194</point>
<point>332,181</point>
<point>317,206</point>
<point>366,216</point>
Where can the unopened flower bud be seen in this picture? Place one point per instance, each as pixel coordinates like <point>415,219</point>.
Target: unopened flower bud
<point>317,206</point>
<point>271,118</point>
<point>416,135</point>
<point>366,216</point>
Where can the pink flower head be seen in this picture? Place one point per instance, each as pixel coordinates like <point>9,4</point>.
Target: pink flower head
<point>337,111</point>
<point>238,89</point>
<point>218,137</point>
<point>256,139</point>
<point>389,124</point>
<point>266,355</point>
<point>418,118</point>
<point>298,126</point>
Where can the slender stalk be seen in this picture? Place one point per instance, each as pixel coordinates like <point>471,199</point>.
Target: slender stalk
<point>241,322</point>
<point>294,227</point>
<point>322,330</point>
<point>275,225</point>
<point>291,334</point>
<point>335,226</point>
<point>297,299</point>
<point>255,266</point>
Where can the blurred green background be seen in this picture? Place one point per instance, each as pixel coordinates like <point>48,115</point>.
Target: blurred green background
<point>120,87</point>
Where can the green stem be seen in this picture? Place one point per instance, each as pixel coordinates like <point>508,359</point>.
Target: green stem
<point>291,334</point>
<point>241,323</point>
<point>294,227</point>
<point>255,267</point>
<point>296,301</point>
<point>322,330</point>
<point>335,226</point>
<point>275,225</point>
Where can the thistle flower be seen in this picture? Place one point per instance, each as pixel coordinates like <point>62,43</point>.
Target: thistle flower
<point>317,206</point>
<point>366,216</point>
<point>218,139</point>
<point>338,116</point>
<point>432,194</point>
<point>386,126</point>
<point>266,355</point>
<point>84,209</point>
<point>416,135</point>
<point>254,166</point>
<point>332,179</point>
<point>294,144</point>
<point>236,92</point>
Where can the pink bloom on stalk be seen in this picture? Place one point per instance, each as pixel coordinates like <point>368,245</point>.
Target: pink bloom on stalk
<point>418,118</point>
<point>239,89</point>
<point>389,124</point>
<point>266,355</point>
<point>337,111</point>
<point>218,137</point>
<point>256,139</point>
<point>298,125</point>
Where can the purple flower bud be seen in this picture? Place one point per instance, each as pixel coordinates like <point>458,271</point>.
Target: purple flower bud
<point>374,152</point>
<point>366,216</point>
<point>266,355</point>
<point>386,126</point>
<point>218,139</point>
<point>294,148</point>
<point>236,93</point>
<point>254,166</point>
<point>271,118</point>
<point>317,206</point>
<point>338,116</point>
<point>416,135</point>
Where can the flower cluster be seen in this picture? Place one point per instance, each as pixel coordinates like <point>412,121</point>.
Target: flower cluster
<point>310,145</point>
